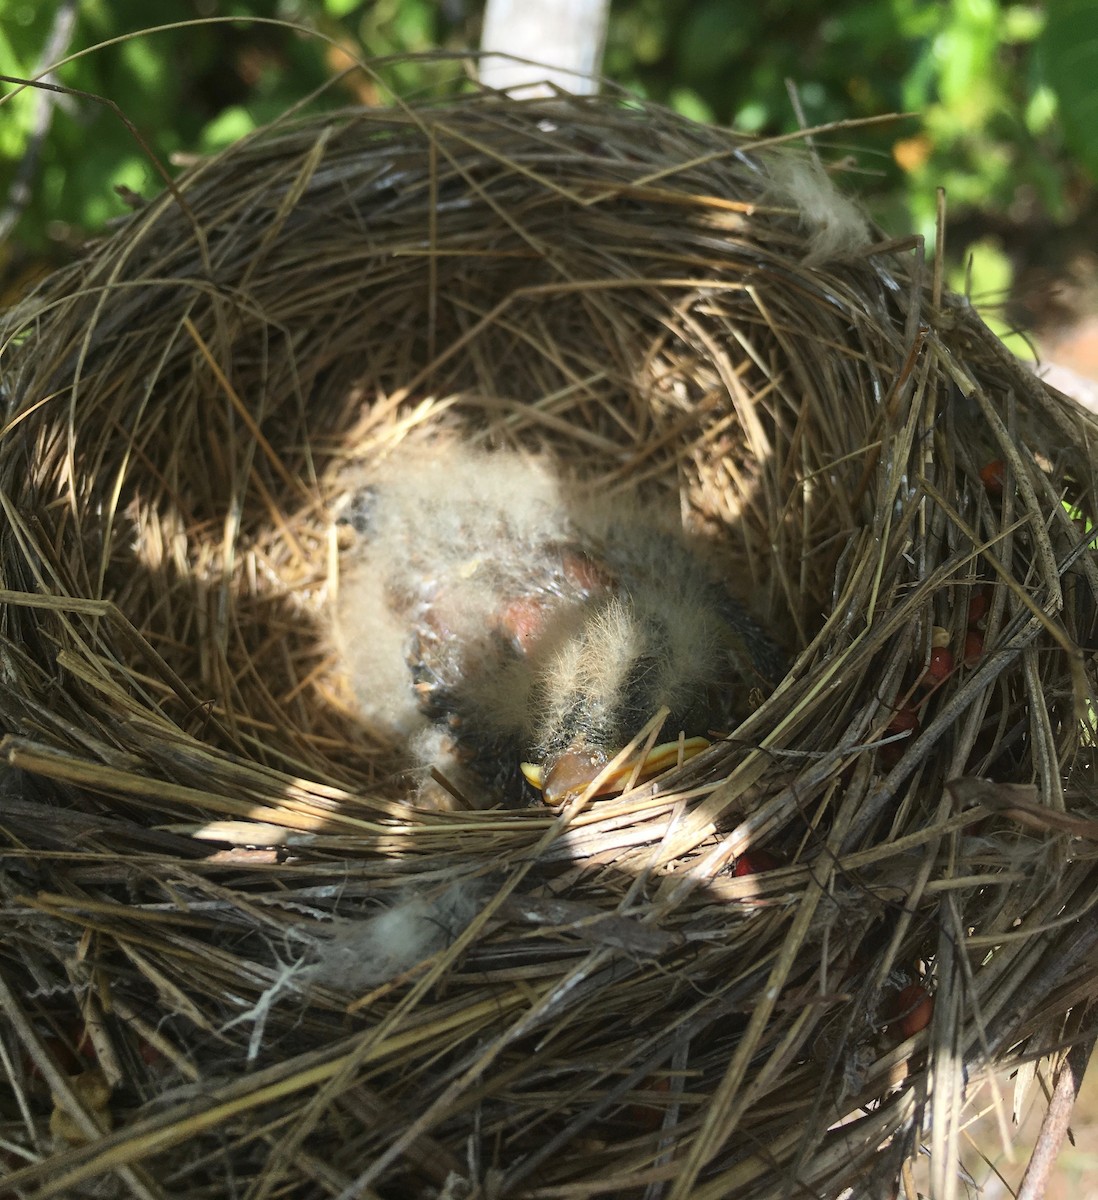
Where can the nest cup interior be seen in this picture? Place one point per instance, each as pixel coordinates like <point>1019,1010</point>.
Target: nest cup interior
<point>654,305</point>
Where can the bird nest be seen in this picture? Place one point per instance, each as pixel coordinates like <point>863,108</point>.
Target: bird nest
<point>240,958</point>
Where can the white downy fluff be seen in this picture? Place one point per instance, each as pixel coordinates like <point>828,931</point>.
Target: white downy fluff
<point>836,226</point>
<point>354,955</point>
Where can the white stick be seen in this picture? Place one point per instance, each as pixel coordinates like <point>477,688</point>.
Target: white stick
<point>565,37</point>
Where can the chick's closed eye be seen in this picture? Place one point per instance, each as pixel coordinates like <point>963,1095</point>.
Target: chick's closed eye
<point>488,599</point>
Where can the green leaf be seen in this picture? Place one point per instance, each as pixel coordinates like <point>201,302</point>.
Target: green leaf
<point>714,34</point>
<point>142,58</point>
<point>690,104</point>
<point>1022,23</point>
<point>228,126</point>
<point>1069,52</point>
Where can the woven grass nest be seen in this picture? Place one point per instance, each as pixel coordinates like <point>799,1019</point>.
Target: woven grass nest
<point>716,984</point>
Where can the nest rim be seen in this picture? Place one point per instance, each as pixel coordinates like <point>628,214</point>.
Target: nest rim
<point>810,774</point>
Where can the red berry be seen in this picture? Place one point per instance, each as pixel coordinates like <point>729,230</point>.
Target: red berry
<point>939,668</point>
<point>911,1009</point>
<point>904,720</point>
<point>148,1053</point>
<point>755,861</point>
<point>974,647</point>
<point>992,475</point>
<point>978,605</point>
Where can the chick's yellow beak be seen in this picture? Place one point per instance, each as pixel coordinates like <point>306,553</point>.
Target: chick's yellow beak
<point>577,769</point>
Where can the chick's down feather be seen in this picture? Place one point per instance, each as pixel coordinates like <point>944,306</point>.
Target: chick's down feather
<point>492,612</point>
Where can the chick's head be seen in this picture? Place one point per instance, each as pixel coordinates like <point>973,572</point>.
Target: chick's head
<point>604,671</point>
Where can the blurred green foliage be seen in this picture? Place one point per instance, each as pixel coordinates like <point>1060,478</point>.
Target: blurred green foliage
<point>984,126</point>
<point>190,85</point>
<point>998,120</point>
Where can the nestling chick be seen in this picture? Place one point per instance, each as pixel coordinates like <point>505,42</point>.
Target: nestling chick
<point>489,616</point>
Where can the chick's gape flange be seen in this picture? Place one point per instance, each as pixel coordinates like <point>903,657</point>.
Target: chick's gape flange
<point>501,628</point>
